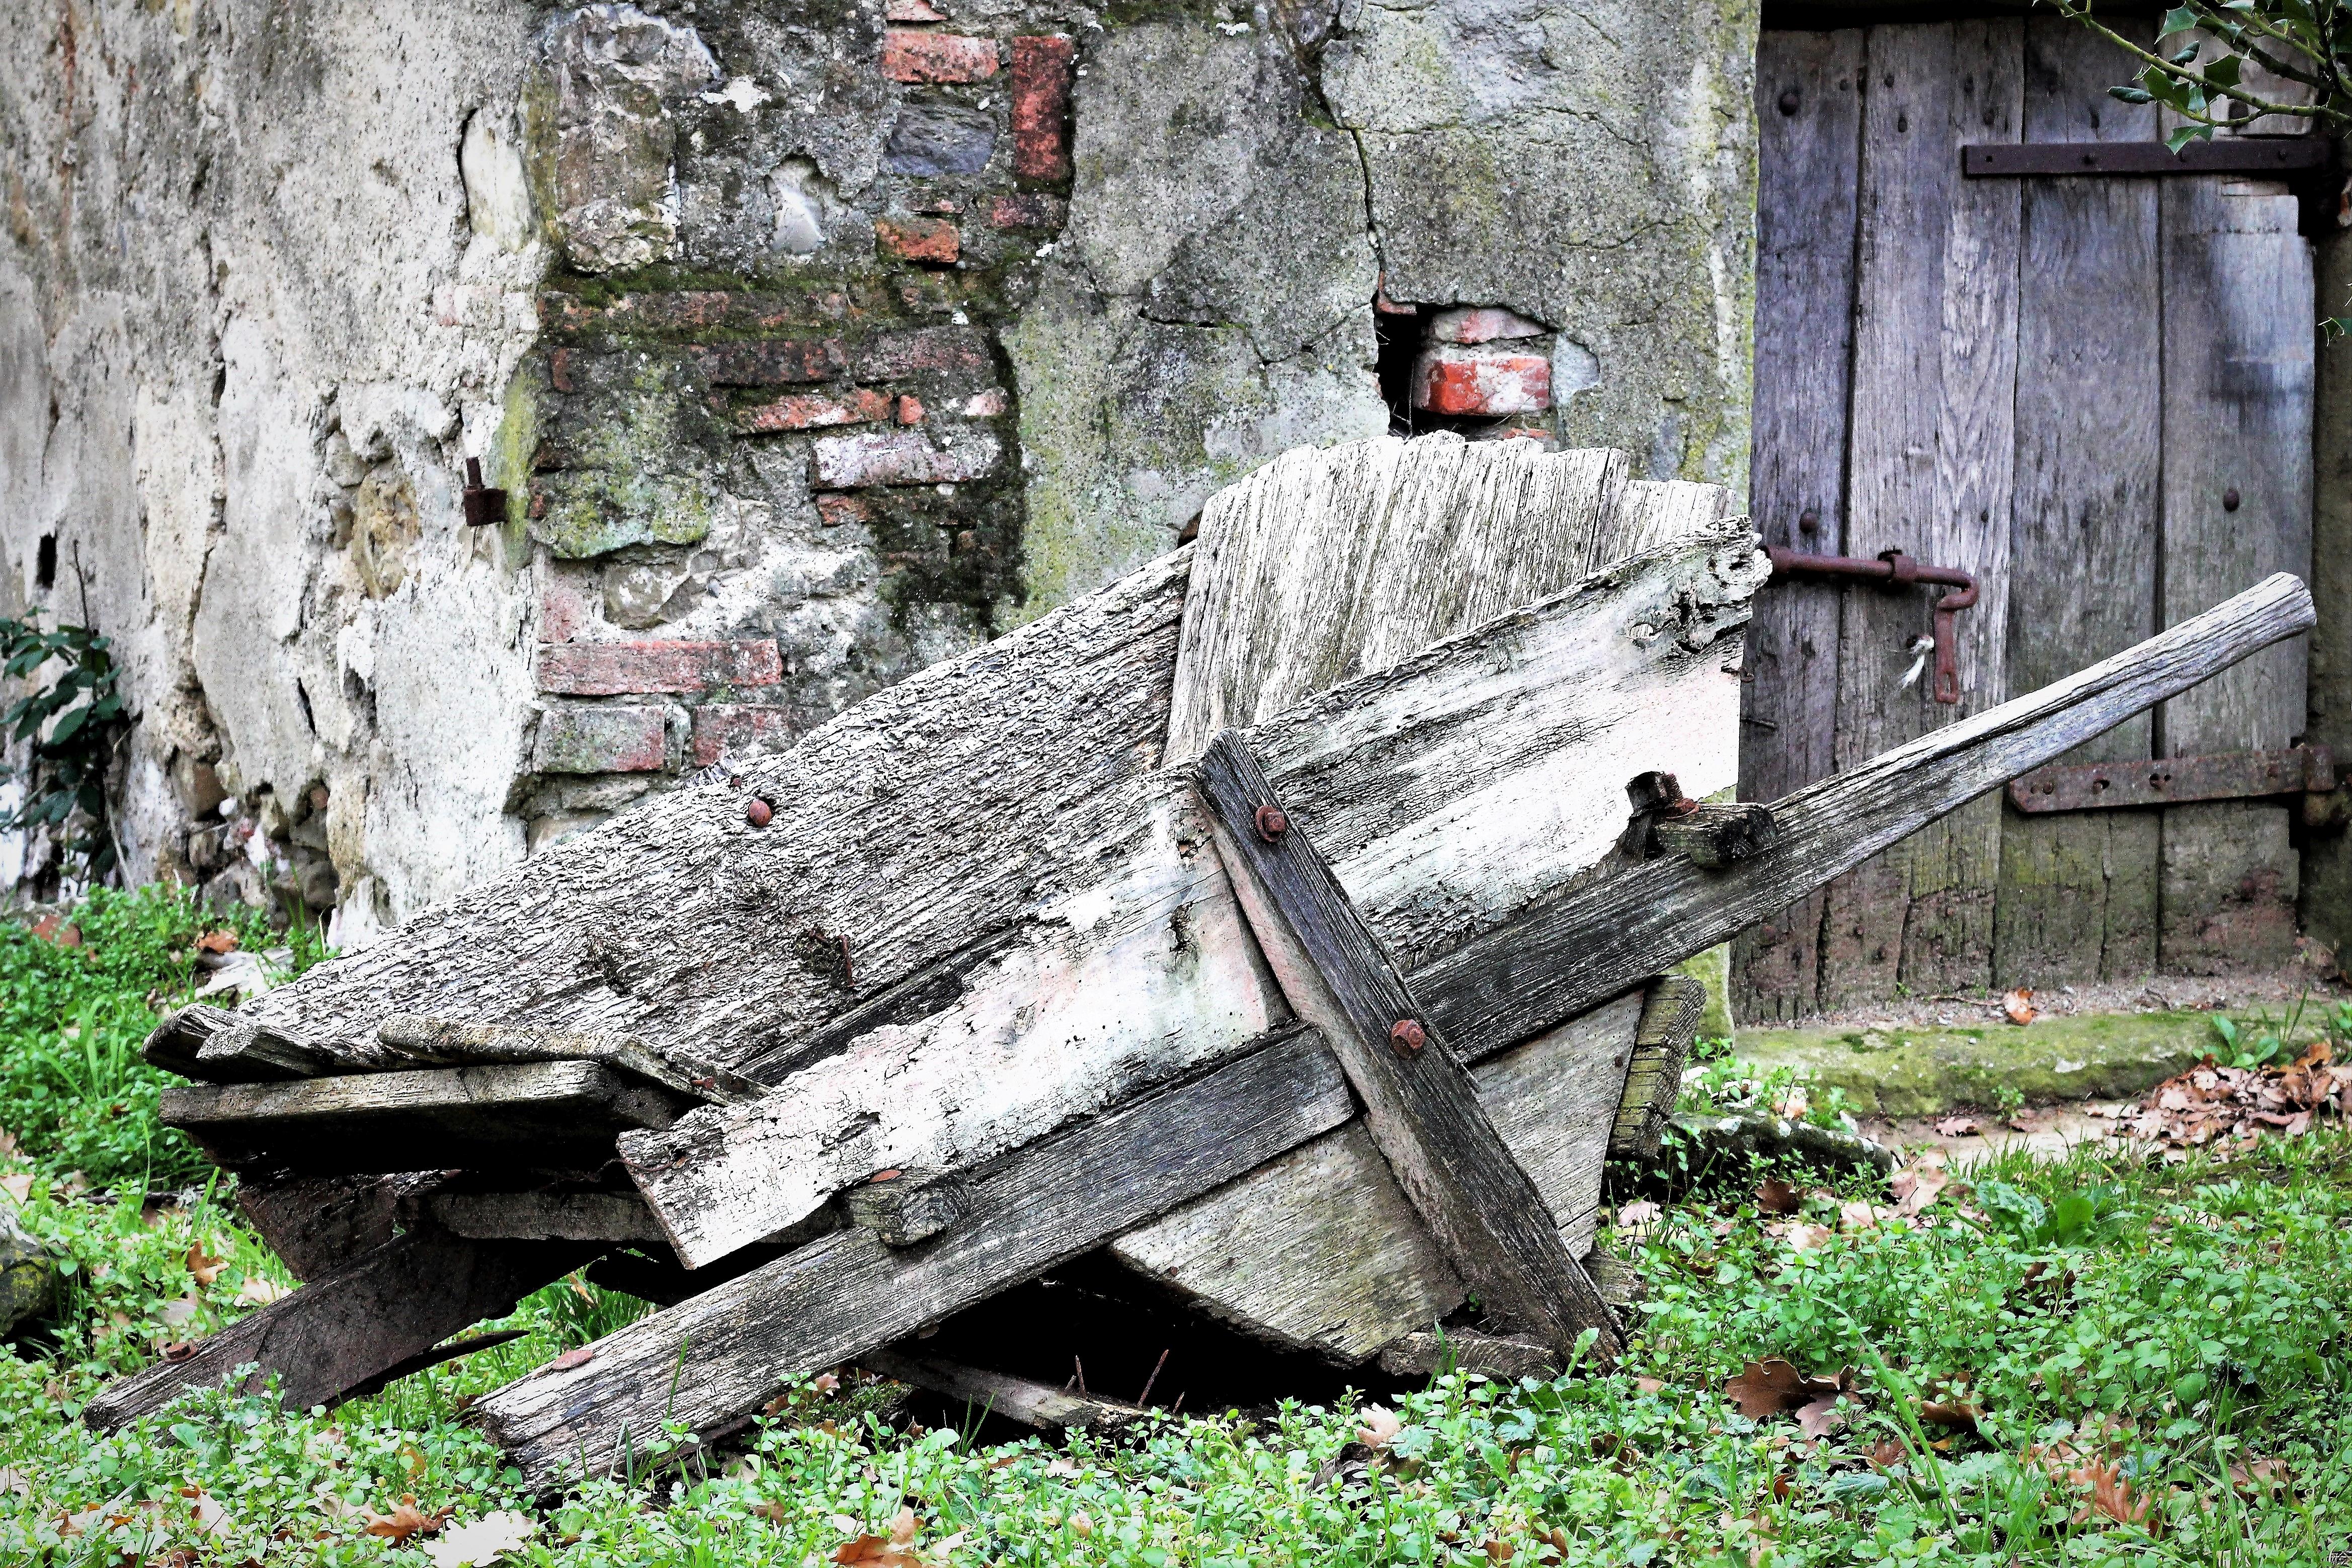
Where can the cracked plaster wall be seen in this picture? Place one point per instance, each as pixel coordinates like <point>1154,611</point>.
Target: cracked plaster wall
<point>808,355</point>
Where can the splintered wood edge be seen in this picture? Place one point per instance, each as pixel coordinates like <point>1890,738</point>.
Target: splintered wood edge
<point>1671,1010</point>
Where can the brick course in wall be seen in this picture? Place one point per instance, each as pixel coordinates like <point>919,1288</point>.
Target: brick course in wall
<point>611,669</point>
<point>605,739</point>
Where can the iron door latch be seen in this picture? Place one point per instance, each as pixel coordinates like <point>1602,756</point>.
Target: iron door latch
<point>1894,570</point>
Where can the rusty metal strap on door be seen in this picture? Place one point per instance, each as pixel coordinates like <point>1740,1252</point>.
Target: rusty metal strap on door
<point>2170,781</point>
<point>1894,570</point>
<point>2310,165</point>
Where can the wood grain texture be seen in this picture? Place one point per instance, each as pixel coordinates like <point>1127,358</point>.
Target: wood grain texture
<point>1809,170</point>
<point>1324,566</point>
<point>1932,444</point>
<point>1318,1249</point>
<point>2078,895</point>
<point>1450,789</point>
<point>436,1042</point>
<point>557,1115</point>
<point>2238,379</point>
<point>1575,950</point>
<point>317,1224</point>
<point>848,1293</point>
<point>1672,1006</point>
<point>543,1216</point>
<point>1420,1107</point>
<point>926,827</point>
<point>346,1328</point>
<point>986,1393</point>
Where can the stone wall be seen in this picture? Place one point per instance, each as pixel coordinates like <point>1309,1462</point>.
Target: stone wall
<point>809,344</point>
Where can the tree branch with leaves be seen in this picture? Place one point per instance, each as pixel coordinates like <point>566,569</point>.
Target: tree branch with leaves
<point>2308,42</point>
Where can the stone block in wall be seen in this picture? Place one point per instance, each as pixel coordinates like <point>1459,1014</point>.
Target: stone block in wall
<point>911,57</point>
<point>933,242</point>
<point>1027,210</point>
<point>1481,324</point>
<point>1041,108</point>
<point>932,140</point>
<point>900,457</point>
<point>1486,382</point>
<point>613,669</point>
<point>602,740</point>
<point>926,350</point>
<point>771,362</point>
<point>812,411</point>
<point>735,728</point>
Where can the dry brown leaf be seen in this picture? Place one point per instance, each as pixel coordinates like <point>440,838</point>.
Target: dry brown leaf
<point>203,1264</point>
<point>1885,1454</point>
<point>775,1512</point>
<point>1805,1237</point>
<point>221,941</point>
<point>261,1291</point>
<point>2112,1495</point>
<point>1634,1216</point>
<point>18,1185</point>
<point>8,1149</point>
<point>1857,1214</point>
<point>1649,1385</point>
<point>2262,1475</point>
<point>875,1552</point>
<point>579,1356</point>
<point>2018,1006</point>
<point>825,1383</point>
<point>1080,1525</point>
<point>404,1519</point>
<point>1822,1416</point>
<point>1379,1426</point>
<point>1959,1412</point>
<point>1774,1196</point>
<point>1498,1552</point>
<point>1916,1190</point>
<point>1775,1387</point>
<point>1956,1127</point>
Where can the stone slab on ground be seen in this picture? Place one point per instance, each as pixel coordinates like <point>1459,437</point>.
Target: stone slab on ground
<point>1900,1069</point>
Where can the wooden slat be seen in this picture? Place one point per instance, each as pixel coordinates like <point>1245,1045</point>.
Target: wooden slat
<point>317,1224</point>
<point>1446,796</point>
<point>2077,899</point>
<point>1808,167</point>
<point>2237,366</point>
<point>1671,1009</point>
<point>442,1042</point>
<point>1420,1104</point>
<point>986,1393</point>
<point>342,1331</point>
<point>1577,949</point>
<point>543,1216</point>
<point>1319,1250</point>
<point>552,1116</point>
<point>848,1293</point>
<point>1933,439</point>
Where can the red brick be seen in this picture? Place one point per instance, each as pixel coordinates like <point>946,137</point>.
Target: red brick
<point>910,409</point>
<point>834,510</point>
<point>932,241</point>
<point>602,740</point>
<point>1481,324</point>
<point>1041,108</point>
<point>812,411</point>
<point>926,350</point>
<point>989,404</point>
<point>899,457</point>
<point>1481,381</point>
<point>1027,210</point>
<point>607,669</point>
<point>770,362</point>
<point>558,370</point>
<point>562,611</point>
<point>936,56</point>
<point>738,730</point>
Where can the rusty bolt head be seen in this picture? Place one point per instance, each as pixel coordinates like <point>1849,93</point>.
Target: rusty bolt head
<point>2229,499</point>
<point>758,812</point>
<point>1272,824</point>
<point>1408,1036</point>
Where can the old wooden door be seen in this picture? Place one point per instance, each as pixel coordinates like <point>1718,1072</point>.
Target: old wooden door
<point>2095,393</point>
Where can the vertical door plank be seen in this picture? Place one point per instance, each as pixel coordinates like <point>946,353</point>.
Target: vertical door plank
<point>2238,315</point>
<point>1933,446</point>
<point>1809,118</point>
<point>2078,890</point>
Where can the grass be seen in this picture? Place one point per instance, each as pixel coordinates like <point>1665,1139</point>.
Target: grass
<point>2154,1355</point>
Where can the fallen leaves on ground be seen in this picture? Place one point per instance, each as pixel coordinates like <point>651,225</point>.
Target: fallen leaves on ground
<point>1963,1414</point>
<point>1957,1127</point>
<point>203,1265</point>
<point>404,1519</point>
<point>260,1292</point>
<point>2260,1475</point>
<point>18,1185</point>
<point>488,1538</point>
<point>221,941</point>
<point>869,1551</point>
<point>1379,1426</point>
<point>2211,1102</point>
<point>2110,1491</point>
<point>1805,1237</point>
<point>1775,1387</point>
<point>2018,1006</point>
<point>1638,1215</point>
<point>1774,1196</point>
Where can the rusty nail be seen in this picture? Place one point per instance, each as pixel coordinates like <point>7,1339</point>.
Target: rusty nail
<point>1790,100</point>
<point>1809,522</point>
<point>1408,1036</point>
<point>891,1175</point>
<point>1682,808</point>
<point>2229,499</point>
<point>1272,824</point>
<point>758,812</point>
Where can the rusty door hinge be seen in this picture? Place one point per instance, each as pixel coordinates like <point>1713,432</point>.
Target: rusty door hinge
<point>2170,781</point>
<point>2309,165</point>
<point>1893,568</point>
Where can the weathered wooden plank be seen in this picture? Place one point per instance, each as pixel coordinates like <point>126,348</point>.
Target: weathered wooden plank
<point>1576,950</point>
<point>922,828</point>
<point>555,1114</point>
<point>2238,386</point>
<point>1423,1354</point>
<point>1421,1107</point>
<point>1325,565</point>
<point>316,1224</point>
<point>1932,450</point>
<point>1446,794</point>
<point>988,1393</point>
<point>216,1046</point>
<point>1318,1249</point>
<point>348,1327</point>
<point>438,1042</point>
<point>1809,129</point>
<point>1671,1009</point>
<point>543,1216</point>
<point>172,1045</point>
<point>903,1207</point>
<point>2078,898</point>
<point>1715,835</point>
<point>842,1295</point>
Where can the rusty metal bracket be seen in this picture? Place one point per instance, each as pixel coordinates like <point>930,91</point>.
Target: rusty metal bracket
<point>2170,781</point>
<point>485,507</point>
<point>1894,570</point>
<point>2310,165</point>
